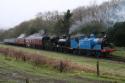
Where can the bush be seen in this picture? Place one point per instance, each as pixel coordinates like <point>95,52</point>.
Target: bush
<point>117,34</point>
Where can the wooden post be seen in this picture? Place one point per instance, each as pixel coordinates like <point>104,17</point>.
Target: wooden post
<point>98,71</point>
<point>61,68</point>
<point>97,64</point>
<point>27,80</point>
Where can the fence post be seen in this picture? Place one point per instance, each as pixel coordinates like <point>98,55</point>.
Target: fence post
<point>61,67</point>
<point>27,80</point>
<point>98,72</point>
<point>97,64</point>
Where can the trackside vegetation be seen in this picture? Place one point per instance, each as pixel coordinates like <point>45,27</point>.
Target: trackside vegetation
<point>110,70</point>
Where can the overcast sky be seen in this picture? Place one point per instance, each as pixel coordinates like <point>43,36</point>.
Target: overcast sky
<point>13,12</point>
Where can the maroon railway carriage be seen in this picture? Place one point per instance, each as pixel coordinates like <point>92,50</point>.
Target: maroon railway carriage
<point>34,41</point>
<point>20,41</point>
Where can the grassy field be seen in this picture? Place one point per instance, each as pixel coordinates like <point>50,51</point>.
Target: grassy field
<point>12,71</point>
<point>120,52</point>
<point>110,70</point>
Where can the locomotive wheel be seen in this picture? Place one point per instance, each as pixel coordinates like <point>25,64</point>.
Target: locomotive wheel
<point>75,51</point>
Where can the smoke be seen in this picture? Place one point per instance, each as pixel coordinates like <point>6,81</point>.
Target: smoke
<point>117,12</point>
<point>80,24</point>
<point>107,14</point>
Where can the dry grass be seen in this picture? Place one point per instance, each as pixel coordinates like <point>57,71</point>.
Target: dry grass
<point>37,59</point>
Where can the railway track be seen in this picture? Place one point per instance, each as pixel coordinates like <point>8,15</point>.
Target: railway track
<point>116,58</point>
<point>108,57</point>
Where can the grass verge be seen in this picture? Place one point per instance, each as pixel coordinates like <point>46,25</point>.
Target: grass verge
<point>109,69</point>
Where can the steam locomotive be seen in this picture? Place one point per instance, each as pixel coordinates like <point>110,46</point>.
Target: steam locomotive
<point>80,44</point>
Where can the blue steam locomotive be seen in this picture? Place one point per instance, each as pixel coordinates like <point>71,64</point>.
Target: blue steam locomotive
<point>82,44</point>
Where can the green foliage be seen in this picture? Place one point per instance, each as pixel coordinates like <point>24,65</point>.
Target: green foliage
<point>63,24</point>
<point>67,21</point>
<point>117,34</point>
<point>59,27</point>
<point>93,27</point>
